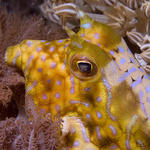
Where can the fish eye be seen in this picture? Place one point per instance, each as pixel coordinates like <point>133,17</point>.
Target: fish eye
<point>82,67</point>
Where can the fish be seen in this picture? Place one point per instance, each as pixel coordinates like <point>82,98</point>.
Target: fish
<point>93,81</point>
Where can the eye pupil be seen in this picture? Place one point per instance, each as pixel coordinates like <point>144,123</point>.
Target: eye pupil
<point>84,67</point>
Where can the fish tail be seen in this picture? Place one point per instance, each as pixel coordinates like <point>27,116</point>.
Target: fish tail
<point>13,56</point>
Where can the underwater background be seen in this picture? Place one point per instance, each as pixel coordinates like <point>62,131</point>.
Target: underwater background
<point>27,19</point>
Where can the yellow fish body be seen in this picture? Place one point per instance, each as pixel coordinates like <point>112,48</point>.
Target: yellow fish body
<point>94,82</point>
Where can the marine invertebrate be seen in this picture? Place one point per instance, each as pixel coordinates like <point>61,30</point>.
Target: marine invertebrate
<point>40,133</point>
<point>93,81</point>
<point>126,16</point>
<point>6,94</point>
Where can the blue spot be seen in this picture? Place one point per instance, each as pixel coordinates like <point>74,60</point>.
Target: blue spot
<point>122,61</point>
<point>57,95</point>
<point>86,104</point>
<point>43,58</point>
<point>48,81</point>
<point>82,34</point>
<point>47,43</point>
<point>142,105</point>
<point>52,48</point>
<point>148,99</point>
<point>116,64</point>
<point>98,133</point>
<point>113,147</point>
<point>71,79</point>
<point>29,61</point>
<point>135,83</point>
<point>57,107</point>
<point>121,49</point>
<point>98,114</point>
<point>53,65</point>
<point>64,65</point>
<point>86,25</point>
<point>132,60</point>
<point>39,69</point>
<point>141,101</point>
<point>81,14</point>
<point>132,70</point>
<point>34,83</point>
<point>38,49</point>
<point>76,144</point>
<point>43,40</point>
<point>112,52</point>
<point>87,40</point>
<point>88,116</point>
<point>147,77</point>
<point>84,133</point>
<point>72,90</point>
<point>141,69</point>
<point>98,99</point>
<point>128,145</point>
<point>60,41</point>
<point>29,43</point>
<point>141,95</point>
<point>113,129</point>
<point>113,66</point>
<point>129,51</point>
<point>148,89</point>
<point>99,44</point>
<point>58,82</point>
<point>45,96</point>
<point>96,35</point>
